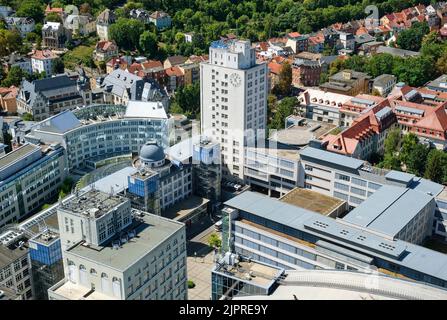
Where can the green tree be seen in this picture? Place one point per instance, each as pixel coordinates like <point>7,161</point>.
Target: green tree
<point>380,64</point>
<point>214,241</point>
<point>10,41</point>
<point>14,77</point>
<point>390,162</point>
<point>53,17</point>
<point>285,108</point>
<point>409,141</point>
<point>417,159</point>
<point>27,117</point>
<point>58,66</point>
<point>187,100</point>
<point>415,71</point>
<point>411,39</point>
<point>31,8</point>
<point>285,79</point>
<point>148,43</point>
<point>392,141</point>
<point>436,167</point>
<point>126,33</point>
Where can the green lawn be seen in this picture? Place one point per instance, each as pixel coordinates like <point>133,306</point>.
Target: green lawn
<point>79,55</point>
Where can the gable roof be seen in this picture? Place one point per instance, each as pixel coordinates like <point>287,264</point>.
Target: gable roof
<point>436,120</point>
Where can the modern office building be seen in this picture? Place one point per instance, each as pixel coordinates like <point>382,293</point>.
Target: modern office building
<point>354,180</point>
<point>273,171</point>
<point>112,252</point>
<point>207,170</point>
<point>46,262</point>
<point>98,132</point>
<point>233,100</point>
<point>15,269</point>
<point>29,177</point>
<point>160,182</point>
<point>290,237</point>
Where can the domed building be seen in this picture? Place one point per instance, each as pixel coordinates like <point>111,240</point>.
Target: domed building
<point>152,155</point>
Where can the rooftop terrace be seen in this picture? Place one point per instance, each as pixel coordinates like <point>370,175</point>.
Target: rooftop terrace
<point>312,201</point>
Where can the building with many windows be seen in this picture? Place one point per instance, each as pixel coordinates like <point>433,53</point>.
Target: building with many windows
<point>15,273</point>
<point>289,237</point>
<point>30,176</point>
<point>126,255</point>
<point>98,132</point>
<point>233,100</point>
<point>49,96</point>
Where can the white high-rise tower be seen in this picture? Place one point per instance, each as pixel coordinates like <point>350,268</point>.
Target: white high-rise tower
<point>233,99</point>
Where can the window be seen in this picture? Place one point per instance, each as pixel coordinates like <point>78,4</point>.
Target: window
<point>341,195</point>
<point>358,191</point>
<point>341,186</point>
<point>342,177</point>
<point>359,182</point>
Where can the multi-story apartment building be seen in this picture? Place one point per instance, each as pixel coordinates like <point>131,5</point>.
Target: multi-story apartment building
<point>348,82</point>
<point>322,106</point>
<point>42,61</point>
<point>22,25</point>
<point>45,97</point>
<point>101,131</point>
<point>112,252</point>
<point>15,270</point>
<point>233,100</point>
<point>297,42</point>
<point>54,35</point>
<point>29,177</point>
<point>103,22</point>
<point>365,136</point>
<point>160,19</point>
<point>306,73</point>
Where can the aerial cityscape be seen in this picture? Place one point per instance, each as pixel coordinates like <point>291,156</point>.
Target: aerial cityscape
<point>223,150</point>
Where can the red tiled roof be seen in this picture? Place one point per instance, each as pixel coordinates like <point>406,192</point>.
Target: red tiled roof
<point>435,120</point>
<point>43,54</point>
<point>106,45</point>
<point>134,68</point>
<point>174,71</point>
<point>274,67</point>
<point>152,64</point>
<point>294,34</point>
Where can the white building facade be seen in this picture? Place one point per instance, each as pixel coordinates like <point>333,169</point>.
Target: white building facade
<point>233,100</point>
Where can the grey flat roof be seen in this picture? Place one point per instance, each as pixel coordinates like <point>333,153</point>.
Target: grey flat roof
<point>60,123</point>
<point>17,154</point>
<point>152,232</point>
<point>331,158</point>
<point>400,176</point>
<point>7,256</point>
<point>416,257</point>
<point>426,186</point>
<point>388,210</point>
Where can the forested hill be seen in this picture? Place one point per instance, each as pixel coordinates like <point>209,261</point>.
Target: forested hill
<point>254,19</point>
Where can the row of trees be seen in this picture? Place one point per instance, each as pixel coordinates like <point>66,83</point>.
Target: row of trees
<point>405,153</point>
<point>187,101</point>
